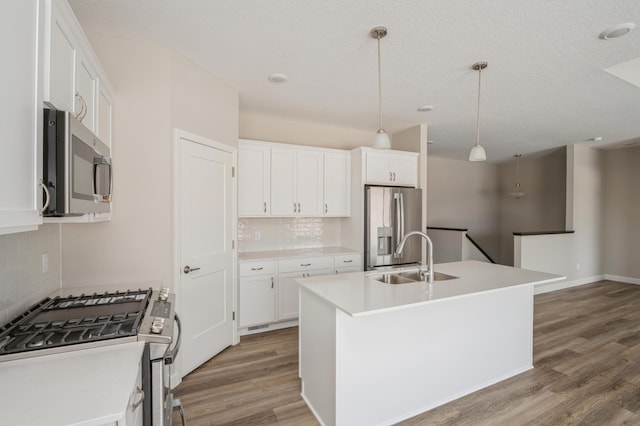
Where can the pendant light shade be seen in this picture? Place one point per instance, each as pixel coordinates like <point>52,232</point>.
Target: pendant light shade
<point>381,139</point>
<point>477,152</point>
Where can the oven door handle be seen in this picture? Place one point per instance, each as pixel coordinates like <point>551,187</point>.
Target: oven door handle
<point>171,354</point>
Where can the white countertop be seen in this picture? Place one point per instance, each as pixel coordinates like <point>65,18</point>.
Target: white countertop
<point>280,254</point>
<point>83,387</point>
<point>356,294</point>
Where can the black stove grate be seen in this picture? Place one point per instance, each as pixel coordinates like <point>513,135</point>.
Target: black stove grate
<point>72,320</point>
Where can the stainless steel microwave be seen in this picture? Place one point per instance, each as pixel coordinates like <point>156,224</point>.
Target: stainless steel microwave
<point>76,167</point>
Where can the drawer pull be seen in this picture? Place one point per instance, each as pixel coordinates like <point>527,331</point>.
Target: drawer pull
<point>347,261</point>
<point>257,269</point>
<point>271,282</point>
<point>305,264</point>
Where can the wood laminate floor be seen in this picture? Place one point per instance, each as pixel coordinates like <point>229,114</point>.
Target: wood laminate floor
<point>586,357</point>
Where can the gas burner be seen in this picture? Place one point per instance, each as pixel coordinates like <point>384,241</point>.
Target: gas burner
<point>73,320</point>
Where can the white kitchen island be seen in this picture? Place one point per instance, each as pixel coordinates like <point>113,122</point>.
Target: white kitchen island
<point>374,353</point>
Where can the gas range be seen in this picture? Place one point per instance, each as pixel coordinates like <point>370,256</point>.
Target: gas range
<point>77,322</point>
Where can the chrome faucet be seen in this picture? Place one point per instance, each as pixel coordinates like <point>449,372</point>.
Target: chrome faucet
<point>400,247</point>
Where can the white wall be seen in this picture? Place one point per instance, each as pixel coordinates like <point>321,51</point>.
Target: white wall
<point>22,282</point>
<point>621,212</point>
<point>300,132</point>
<point>464,194</point>
<point>155,90</point>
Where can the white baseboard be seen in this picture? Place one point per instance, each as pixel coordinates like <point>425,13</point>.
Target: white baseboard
<point>546,288</point>
<point>621,279</point>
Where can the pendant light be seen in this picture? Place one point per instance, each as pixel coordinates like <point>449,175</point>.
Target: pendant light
<point>518,193</point>
<point>381,139</point>
<point>477,152</point>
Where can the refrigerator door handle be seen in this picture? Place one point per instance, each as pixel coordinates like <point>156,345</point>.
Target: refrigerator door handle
<point>399,201</point>
<point>401,215</point>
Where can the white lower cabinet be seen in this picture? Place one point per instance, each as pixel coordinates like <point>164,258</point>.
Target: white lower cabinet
<point>257,298</point>
<point>288,306</point>
<point>136,399</point>
<point>268,290</point>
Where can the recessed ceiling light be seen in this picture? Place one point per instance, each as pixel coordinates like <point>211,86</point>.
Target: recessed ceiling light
<point>596,139</point>
<point>278,78</point>
<point>425,108</point>
<point>617,31</point>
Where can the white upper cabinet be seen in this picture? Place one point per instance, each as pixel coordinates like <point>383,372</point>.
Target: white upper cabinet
<point>254,174</point>
<point>104,114</point>
<point>20,116</point>
<point>309,183</point>
<point>283,189</point>
<point>337,184</point>
<point>395,168</point>
<point>73,78</point>
<point>289,180</point>
<point>296,182</point>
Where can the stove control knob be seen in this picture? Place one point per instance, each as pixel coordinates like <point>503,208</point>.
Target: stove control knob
<point>164,294</point>
<point>157,325</point>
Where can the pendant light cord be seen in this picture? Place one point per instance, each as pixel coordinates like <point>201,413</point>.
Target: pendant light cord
<point>379,87</point>
<point>478,112</point>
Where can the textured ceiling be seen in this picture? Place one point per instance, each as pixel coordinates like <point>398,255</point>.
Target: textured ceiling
<point>544,87</point>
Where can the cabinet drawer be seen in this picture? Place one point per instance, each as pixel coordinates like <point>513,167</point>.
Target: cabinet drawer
<point>253,268</point>
<point>347,269</point>
<point>345,260</point>
<point>304,263</point>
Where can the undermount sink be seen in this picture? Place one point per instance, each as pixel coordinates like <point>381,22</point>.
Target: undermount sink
<point>408,277</point>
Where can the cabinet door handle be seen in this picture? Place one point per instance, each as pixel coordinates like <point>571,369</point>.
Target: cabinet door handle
<point>46,200</point>
<point>85,107</point>
<point>394,176</point>
<point>298,207</point>
<point>305,264</point>
<point>390,176</point>
<point>257,269</point>
<point>347,261</point>
<point>294,207</point>
<point>271,282</point>
<point>326,208</point>
<point>80,114</point>
<point>265,207</point>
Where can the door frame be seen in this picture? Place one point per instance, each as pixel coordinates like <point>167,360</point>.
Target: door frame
<point>178,134</point>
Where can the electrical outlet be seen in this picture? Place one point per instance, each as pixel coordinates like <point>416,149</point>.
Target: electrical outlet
<point>45,263</point>
<point>258,235</point>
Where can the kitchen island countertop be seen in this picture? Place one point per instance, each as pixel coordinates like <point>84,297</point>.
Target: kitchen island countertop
<point>358,294</point>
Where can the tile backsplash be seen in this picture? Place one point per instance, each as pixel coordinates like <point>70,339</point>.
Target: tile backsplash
<point>256,234</point>
<point>22,282</point>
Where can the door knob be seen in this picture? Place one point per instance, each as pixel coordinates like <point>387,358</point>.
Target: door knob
<point>188,269</point>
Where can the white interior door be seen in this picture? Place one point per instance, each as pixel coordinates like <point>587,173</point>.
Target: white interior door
<point>206,237</point>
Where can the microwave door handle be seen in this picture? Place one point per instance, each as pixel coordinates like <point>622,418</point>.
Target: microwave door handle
<point>102,161</point>
<point>171,354</point>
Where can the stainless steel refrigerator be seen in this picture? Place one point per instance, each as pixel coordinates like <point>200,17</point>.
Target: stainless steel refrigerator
<point>390,213</point>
